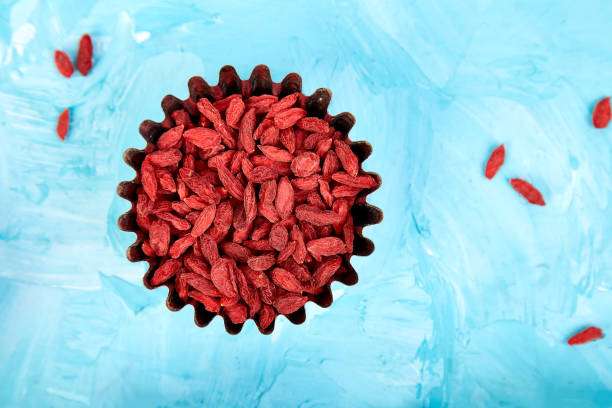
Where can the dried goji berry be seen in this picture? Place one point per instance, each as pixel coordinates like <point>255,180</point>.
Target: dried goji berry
<point>349,233</point>
<point>180,245</point>
<point>261,229</point>
<point>268,211</point>
<point>63,63</point>
<point>165,271</point>
<point>263,126</point>
<point>323,146</point>
<point>232,185</point>
<point>165,179</point>
<point>210,303</point>
<point>285,103</point>
<point>181,118</point>
<point>194,264</point>
<point>165,158</point>
<point>159,237</point>
<point>270,136</point>
<point>289,303</point>
<point>259,245</point>
<point>360,181</point>
<point>286,252</point>
<point>146,248</point>
<point>222,274</point>
<point>180,224</point>
<point>316,216</point>
<point>202,284</point>
<point>266,316</point>
<point>278,237</point>
<point>262,262</point>
<point>262,173</point>
<point>84,61</point>
<point>204,138</point>
<point>315,200</point>
<point>288,117</point>
<point>331,164</point>
<point>209,249</point>
<point>234,112</point>
<point>285,279</point>
<point>247,126</point>
<point>276,154</point>
<point>307,183</point>
<point>148,179</point>
<point>347,157</point>
<point>340,191</point>
<point>602,113</point>
<point>236,251</point>
<point>63,123</point>
<point>299,254</point>
<point>305,164</point>
<point>584,336</point>
<point>204,221</point>
<point>327,246</point>
<point>208,110</point>
<point>287,139</point>
<point>496,160</point>
<point>528,191</point>
<point>284,199</point>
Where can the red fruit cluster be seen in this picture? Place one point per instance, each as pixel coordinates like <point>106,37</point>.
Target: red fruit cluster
<point>84,64</point>
<point>524,188</point>
<point>245,203</point>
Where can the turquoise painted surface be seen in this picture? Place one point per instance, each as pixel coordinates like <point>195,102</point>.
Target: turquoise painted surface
<point>471,292</point>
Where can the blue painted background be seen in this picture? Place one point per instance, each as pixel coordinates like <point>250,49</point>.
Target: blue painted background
<point>471,293</point>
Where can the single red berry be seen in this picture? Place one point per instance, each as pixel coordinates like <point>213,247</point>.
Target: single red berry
<point>63,63</point>
<point>528,191</point>
<point>63,123</point>
<point>496,160</point>
<point>602,113</point>
<point>584,336</point>
<point>84,61</point>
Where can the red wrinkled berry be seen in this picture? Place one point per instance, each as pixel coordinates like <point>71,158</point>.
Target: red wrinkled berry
<point>159,237</point>
<point>63,123</point>
<point>289,303</point>
<point>164,272</point>
<point>528,191</point>
<point>584,336</point>
<point>602,113</point>
<point>288,118</point>
<point>496,160</point>
<point>63,63</point>
<point>84,61</point>
<point>305,164</point>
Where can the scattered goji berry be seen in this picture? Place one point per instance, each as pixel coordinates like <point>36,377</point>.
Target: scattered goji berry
<point>496,160</point>
<point>63,63</point>
<point>602,113</point>
<point>528,191</point>
<point>84,61</point>
<point>584,336</point>
<point>63,123</point>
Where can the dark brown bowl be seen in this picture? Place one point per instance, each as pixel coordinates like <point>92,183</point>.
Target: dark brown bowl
<point>259,83</point>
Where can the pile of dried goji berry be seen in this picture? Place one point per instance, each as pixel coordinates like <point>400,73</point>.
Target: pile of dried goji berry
<point>245,203</point>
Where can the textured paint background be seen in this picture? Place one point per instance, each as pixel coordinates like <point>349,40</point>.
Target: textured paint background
<point>471,293</point>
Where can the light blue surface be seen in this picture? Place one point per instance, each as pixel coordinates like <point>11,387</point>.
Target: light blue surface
<point>471,293</point>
